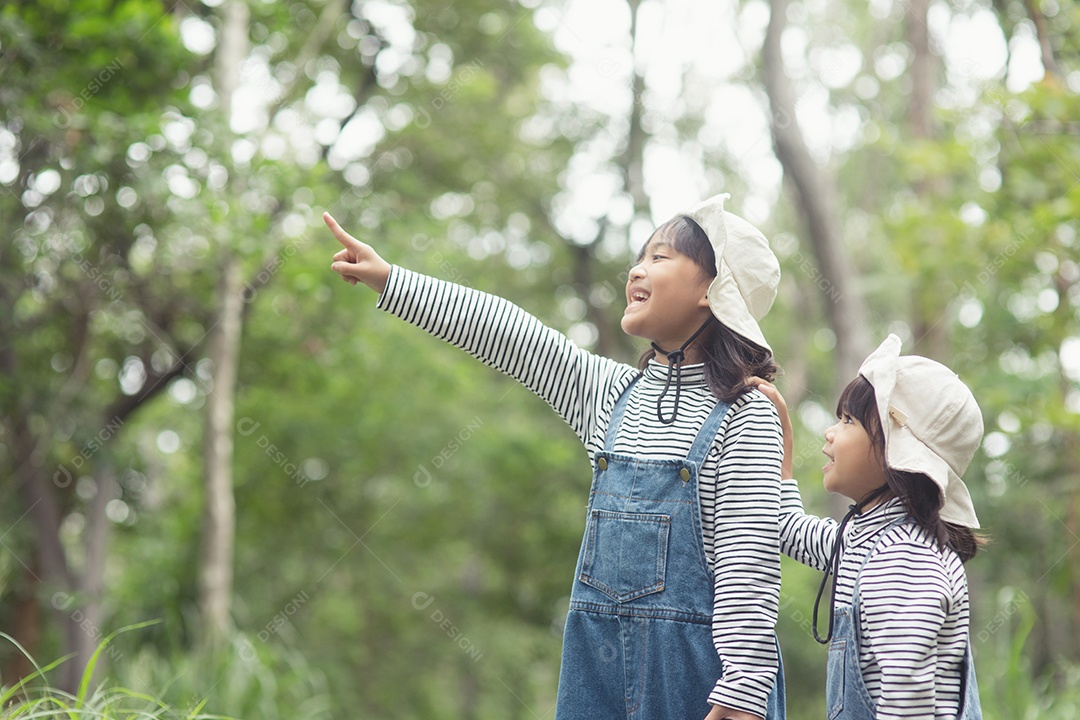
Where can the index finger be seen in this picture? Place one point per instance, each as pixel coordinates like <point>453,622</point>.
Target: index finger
<point>770,391</point>
<point>347,240</point>
<point>758,381</point>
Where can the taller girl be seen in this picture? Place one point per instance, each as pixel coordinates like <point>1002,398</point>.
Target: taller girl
<point>675,594</point>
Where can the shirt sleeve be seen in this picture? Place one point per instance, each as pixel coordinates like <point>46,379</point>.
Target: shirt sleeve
<point>904,601</point>
<point>747,555</point>
<point>804,538</point>
<point>500,334</point>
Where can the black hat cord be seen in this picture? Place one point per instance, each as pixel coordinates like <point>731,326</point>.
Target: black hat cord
<point>675,360</point>
<point>832,567</point>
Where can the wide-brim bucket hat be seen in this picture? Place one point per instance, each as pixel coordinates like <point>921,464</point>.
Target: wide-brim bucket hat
<point>931,423</point>
<point>747,271</point>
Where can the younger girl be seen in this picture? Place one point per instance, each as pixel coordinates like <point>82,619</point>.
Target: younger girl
<point>682,520</point>
<point>900,648</point>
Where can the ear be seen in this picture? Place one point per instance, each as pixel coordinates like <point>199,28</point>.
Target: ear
<point>704,301</point>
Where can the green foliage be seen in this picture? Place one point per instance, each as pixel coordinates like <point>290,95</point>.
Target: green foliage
<point>242,681</point>
<point>408,519</point>
<point>33,697</point>
<point>965,244</point>
<point>245,679</point>
<point>1011,687</point>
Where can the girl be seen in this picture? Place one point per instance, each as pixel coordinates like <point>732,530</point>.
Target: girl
<point>908,428</point>
<point>682,518</point>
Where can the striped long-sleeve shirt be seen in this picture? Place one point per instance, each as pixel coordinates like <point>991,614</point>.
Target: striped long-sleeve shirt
<point>739,482</point>
<point>913,613</point>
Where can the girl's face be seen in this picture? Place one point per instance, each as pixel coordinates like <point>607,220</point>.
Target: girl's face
<point>665,296</point>
<point>854,468</point>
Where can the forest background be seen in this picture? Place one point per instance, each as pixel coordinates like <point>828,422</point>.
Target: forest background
<point>324,513</point>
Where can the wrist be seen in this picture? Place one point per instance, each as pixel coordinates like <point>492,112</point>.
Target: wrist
<point>379,277</point>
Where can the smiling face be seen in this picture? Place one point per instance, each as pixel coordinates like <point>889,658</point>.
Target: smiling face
<point>666,293</point>
<point>855,465</point>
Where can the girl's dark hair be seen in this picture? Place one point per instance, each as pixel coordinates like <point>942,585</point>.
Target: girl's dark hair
<point>920,495</point>
<point>729,357</point>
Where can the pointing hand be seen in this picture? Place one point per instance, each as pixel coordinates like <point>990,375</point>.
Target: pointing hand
<point>357,261</point>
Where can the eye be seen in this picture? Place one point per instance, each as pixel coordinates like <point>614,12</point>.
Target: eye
<point>659,256</point>
<point>846,419</point>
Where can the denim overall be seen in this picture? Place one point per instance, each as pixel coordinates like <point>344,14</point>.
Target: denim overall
<point>846,695</point>
<point>638,641</point>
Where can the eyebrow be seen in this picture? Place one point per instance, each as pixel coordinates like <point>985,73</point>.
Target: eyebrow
<point>653,246</point>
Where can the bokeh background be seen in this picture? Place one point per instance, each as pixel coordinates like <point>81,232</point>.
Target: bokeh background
<point>324,513</point>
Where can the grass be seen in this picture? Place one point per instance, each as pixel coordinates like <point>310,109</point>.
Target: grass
<point>33,697</point>
<point>1009,687</point>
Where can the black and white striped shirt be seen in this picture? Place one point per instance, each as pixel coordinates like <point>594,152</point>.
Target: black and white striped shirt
<point>913,603</point>
<point>739,482</point>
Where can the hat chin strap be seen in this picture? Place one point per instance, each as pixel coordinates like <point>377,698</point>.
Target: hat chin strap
<point>833,566</point>
<point>675,361</point>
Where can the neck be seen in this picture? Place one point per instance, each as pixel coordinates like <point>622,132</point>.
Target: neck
<point>872,499</point>
<point>689,349</point>
<point>692,356</point>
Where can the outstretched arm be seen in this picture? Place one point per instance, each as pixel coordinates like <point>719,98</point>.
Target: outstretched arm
<point>575,382</point>
<point>357,261</point>
<point>773,394</point>
<point>805,538</point>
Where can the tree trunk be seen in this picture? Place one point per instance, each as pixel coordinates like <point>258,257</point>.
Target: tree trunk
<point>931,334</point>
<point>634,159</point>
<point>1046,48</point>
<point>219,505</point>
<point>91,608</point>
<point>26,621</point>
<point>923,67</point>
<point>816,195</point>
<point>49,565</point>
<point>1070,475</point>
<point>611,343</point>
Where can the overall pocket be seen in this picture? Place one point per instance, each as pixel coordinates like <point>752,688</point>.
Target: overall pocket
<point>625,553</point>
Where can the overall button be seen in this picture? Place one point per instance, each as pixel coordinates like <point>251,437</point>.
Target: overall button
<point>685,474</point>
<point>602,463</point>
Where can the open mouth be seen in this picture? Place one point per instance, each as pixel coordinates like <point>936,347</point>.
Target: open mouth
<point>638,297</point>
<point>828,465</point>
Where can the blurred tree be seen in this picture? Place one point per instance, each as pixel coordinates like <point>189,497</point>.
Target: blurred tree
<point>83,325</point>
<point>406,519</point>
<point>815,192</point>
<point>437,169</point>
<point>961,195</point>
<point>219,506</point>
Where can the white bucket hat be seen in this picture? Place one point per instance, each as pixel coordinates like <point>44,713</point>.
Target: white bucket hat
<point>747,271</point>
<point>930,420</point>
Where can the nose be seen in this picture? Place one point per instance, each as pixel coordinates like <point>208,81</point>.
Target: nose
<point>636,273</point>
<point>830,432</point>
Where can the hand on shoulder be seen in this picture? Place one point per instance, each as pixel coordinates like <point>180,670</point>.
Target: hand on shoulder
<point>769,390</point>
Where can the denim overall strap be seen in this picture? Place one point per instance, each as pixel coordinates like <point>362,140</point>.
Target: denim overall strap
<point>846,693</point>
<point>617,414</point>
<point>638,638</point>
<point>970,705</point>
